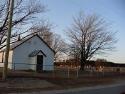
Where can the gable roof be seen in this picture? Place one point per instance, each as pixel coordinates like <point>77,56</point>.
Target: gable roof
<point>36,52</point>
<point>18,43</point>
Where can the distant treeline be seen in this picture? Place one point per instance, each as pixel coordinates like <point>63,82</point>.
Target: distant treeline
<point>89,63</point>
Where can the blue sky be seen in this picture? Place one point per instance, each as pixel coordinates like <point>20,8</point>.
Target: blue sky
<point>60,13</point>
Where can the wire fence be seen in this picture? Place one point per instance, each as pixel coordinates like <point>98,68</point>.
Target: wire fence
<point>66,71</point>
<point>75,72</point>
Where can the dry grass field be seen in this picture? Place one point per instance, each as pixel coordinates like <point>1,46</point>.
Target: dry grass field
<point>21,81</point>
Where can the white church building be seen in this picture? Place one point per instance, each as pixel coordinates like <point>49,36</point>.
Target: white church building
<point>32,53</point>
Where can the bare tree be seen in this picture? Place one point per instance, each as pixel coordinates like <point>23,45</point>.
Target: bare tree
<point>74,52</point>
<point>59,46</point>
<point>24,12</point>
<point>44,30</point>
<point>92,36</point>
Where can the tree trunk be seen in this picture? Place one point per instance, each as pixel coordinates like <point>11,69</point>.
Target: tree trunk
<point>82,66</point>
<point>82,61</point>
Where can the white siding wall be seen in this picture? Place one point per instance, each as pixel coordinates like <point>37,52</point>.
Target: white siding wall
<point>9,59</point>
<point>1,64</point>
<point>21,54</point>
<point>32,61</point>
<point>1,56</point>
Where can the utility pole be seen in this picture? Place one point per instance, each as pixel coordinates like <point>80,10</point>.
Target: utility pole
<point>5,69</point>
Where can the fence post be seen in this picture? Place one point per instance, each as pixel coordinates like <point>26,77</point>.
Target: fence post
<point>103,72</point>
<point>68,72</point>
<point>77,71</point>
<point>14,66</point>
<point>54,73</point>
